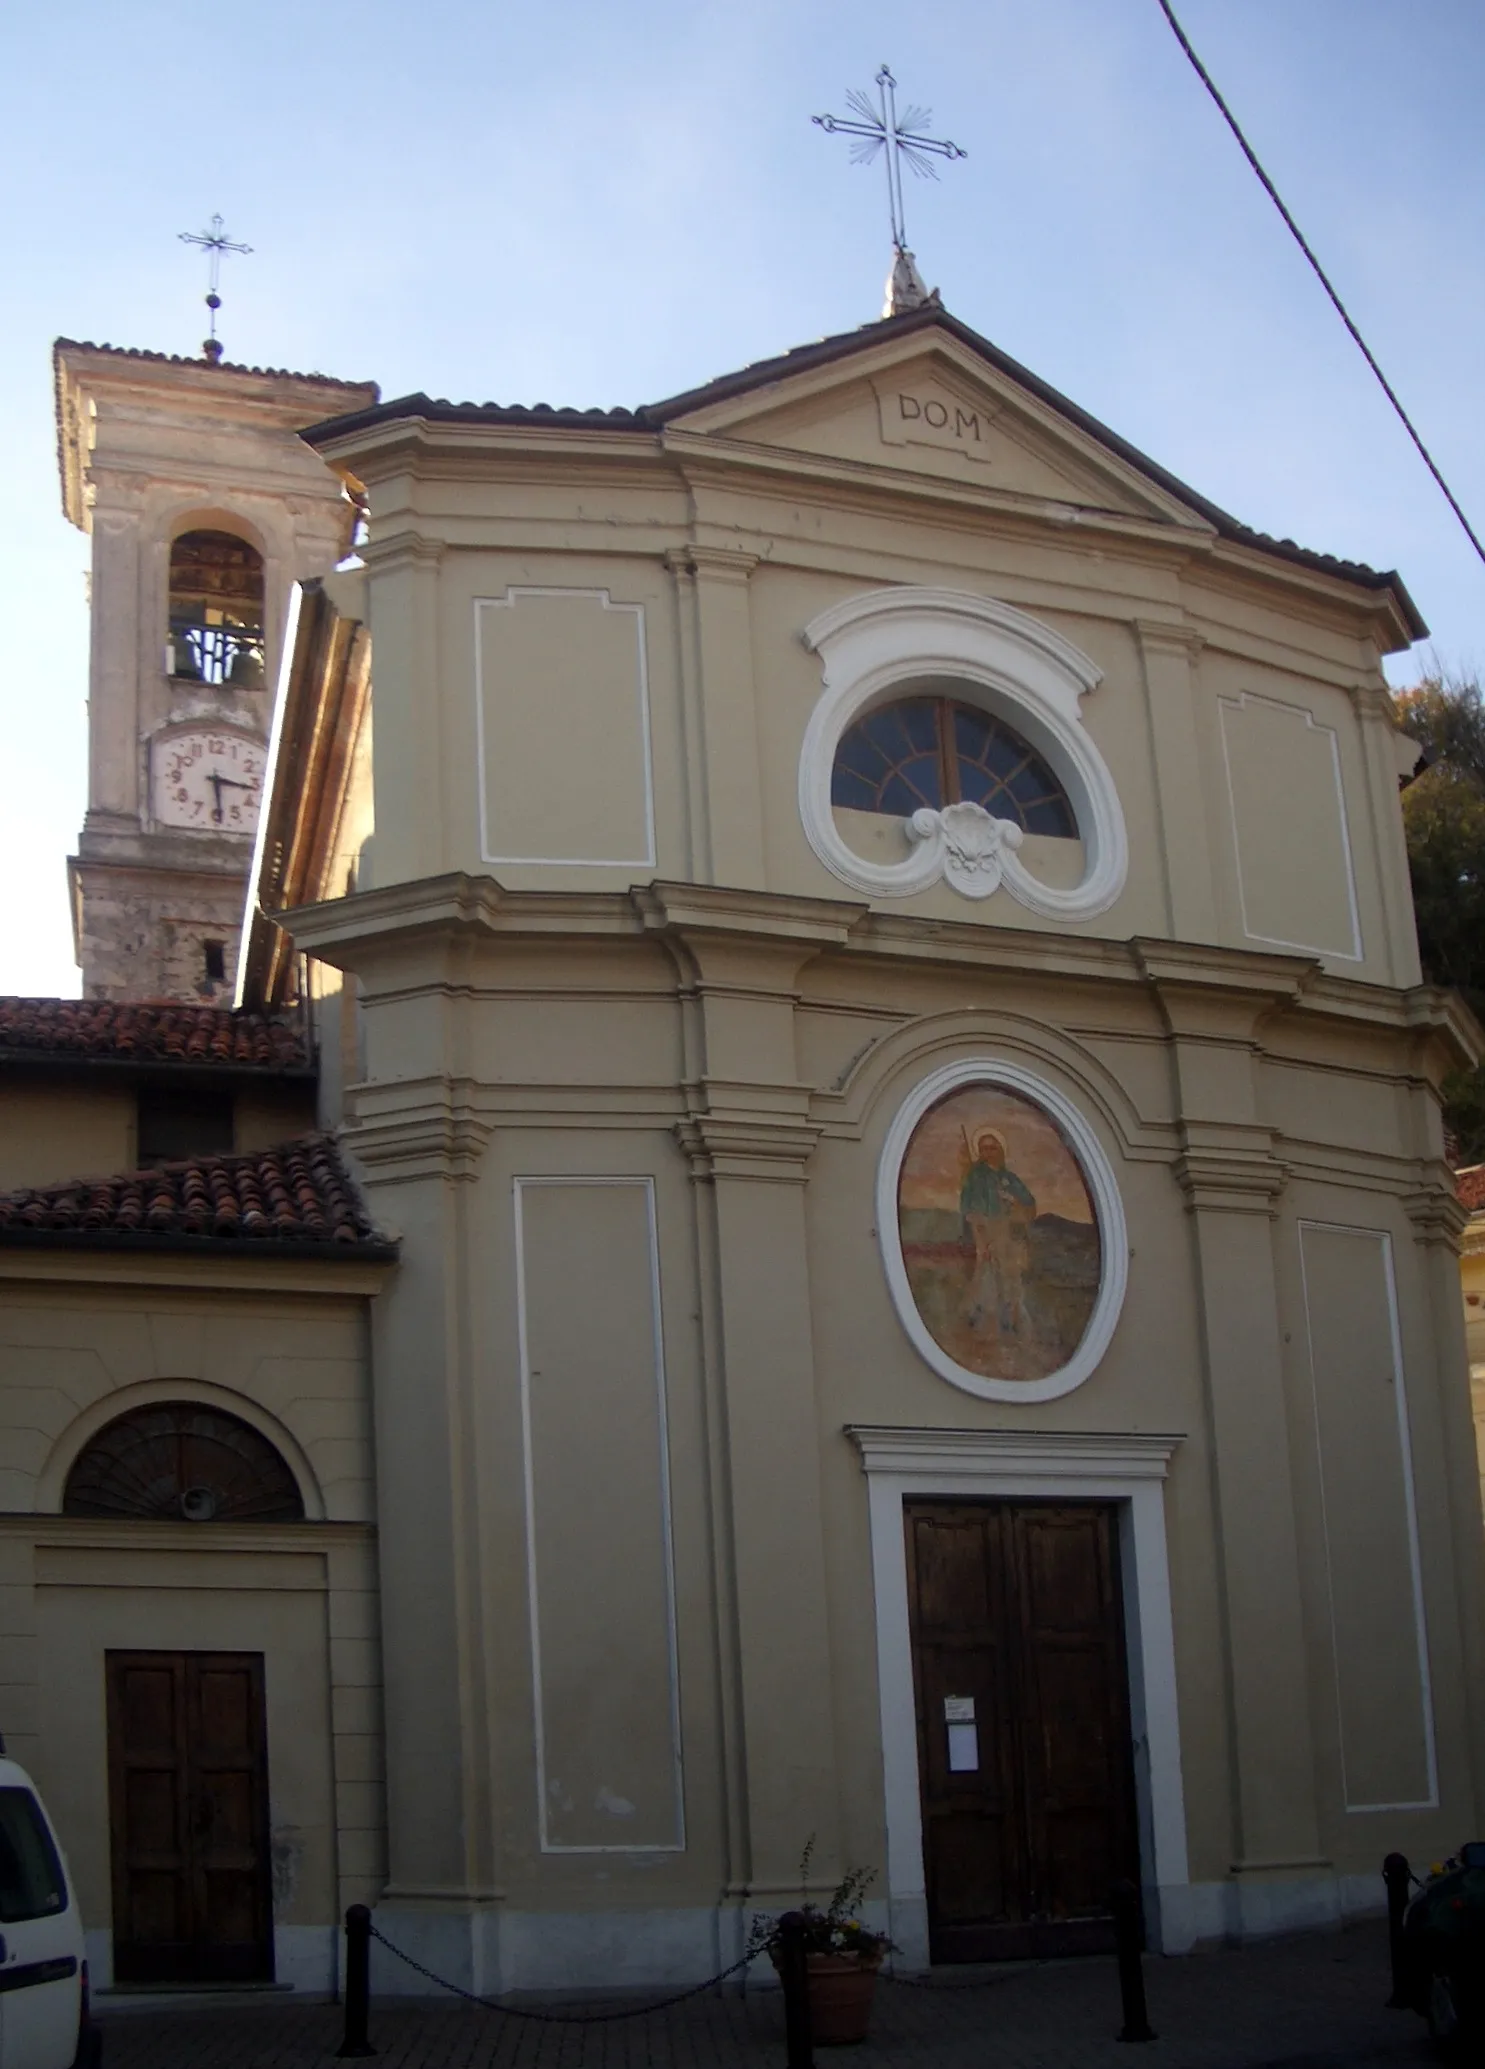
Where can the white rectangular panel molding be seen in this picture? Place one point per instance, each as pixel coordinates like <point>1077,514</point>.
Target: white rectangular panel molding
<point>599,1563</point>
<point>1295,875</point>
<point>1374,1579</point>
<point>562,710</point>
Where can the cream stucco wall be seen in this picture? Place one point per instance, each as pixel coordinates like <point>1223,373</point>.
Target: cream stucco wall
<point>87,1127</point>
<point>50,1132</point>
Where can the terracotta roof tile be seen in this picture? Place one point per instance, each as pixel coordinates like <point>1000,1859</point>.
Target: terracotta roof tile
<point>1470,1186</point>
<point>297,1196</point>
<point>107,1030</point>
<point>224,366</point>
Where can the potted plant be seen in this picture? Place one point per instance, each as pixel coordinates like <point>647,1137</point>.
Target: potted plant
<point>842,1955</point>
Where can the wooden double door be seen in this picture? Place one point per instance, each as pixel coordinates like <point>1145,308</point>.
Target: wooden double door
<point>188,1803</point>
<point>1024,1751</point>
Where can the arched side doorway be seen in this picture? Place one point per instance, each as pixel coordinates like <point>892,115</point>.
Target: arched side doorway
<point>189,1820</point>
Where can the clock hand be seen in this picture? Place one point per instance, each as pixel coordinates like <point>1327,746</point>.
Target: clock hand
<point>219,783</point>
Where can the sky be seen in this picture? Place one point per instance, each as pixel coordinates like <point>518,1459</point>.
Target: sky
<point>605,204</point>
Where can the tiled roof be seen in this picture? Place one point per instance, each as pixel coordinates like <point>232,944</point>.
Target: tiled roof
<point>1470,1186</point>
<point>224,366</point>
<point>654,416</point>
<point>294,1199</point>
<point>106,1030</point>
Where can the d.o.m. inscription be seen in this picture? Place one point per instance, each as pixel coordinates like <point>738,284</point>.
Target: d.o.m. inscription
<point>924,415</point>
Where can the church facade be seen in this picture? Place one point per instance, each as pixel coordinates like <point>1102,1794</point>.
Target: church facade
<point>866,984</point>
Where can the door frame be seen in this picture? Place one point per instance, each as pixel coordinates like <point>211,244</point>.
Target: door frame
<point>1126,1468</point>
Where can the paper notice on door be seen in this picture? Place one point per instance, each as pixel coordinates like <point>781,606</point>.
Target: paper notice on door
<point>959,1709</point>
<point>964,1748</point>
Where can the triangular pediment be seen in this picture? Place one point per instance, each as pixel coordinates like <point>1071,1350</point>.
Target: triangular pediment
<point>929,405</point>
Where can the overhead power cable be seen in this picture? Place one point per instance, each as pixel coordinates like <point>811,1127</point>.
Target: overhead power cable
<point>1320,274</point>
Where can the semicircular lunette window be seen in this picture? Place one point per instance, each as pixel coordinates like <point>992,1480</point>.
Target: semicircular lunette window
<point>1000,1237</point>
<point>935,751</point>
<point>178,1461</point>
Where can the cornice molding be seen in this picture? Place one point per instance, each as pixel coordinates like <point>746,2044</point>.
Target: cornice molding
<point>395,550</point>
<point>407,1131</point>
<point>108,1272</point>
<point>813,923</point>
<point>1053,1454</point>
<point>1373,699</point>
<point>775,1151</point>
<point>1161,636</point>
<point>450,904</point>
<point>1231,1181</point>
<point>1203,991</point>
<point>721,563</point>
<point>1243,971</point>
<point>1438,1215</point>
<point>97,1534</point>
<point>1212,994</point>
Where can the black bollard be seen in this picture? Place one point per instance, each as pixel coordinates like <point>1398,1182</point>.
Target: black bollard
<point>1128,1935</point>
<point>1397,1875</point>
<point>357,1983</point>
<point>794,1974</point>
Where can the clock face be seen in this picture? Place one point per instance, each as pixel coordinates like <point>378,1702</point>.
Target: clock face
<point>212,781</point>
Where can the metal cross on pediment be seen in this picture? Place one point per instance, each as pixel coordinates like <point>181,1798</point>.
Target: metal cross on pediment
<point>215,242</point>
<point>882,127</point>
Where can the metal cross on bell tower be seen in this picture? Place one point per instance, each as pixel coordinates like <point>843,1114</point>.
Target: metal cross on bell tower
<point>875,127</point>
<point>215,242</point>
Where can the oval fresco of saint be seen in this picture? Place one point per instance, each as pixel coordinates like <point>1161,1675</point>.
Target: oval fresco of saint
<point>999,1235</point>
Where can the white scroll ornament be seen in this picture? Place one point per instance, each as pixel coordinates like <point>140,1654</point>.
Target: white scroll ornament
<point>967,844</point>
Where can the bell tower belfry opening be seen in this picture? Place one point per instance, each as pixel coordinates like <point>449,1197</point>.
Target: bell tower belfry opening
<point>204,507</point>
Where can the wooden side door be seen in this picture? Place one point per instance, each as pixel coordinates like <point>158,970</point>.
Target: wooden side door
<point>188,1802</point>
<point>1077,1768</point>
<point>1025,1765</point>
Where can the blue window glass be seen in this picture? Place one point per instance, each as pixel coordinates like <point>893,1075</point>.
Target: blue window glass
<point>933,751</point>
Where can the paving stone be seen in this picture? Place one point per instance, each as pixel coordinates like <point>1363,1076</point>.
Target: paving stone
<point>1307,2003</point>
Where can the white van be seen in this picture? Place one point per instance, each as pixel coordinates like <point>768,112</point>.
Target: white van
<point>44,2022</point>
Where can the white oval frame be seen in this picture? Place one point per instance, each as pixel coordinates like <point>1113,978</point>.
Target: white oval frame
<point>1107,1207</point>
<point>871,643</point>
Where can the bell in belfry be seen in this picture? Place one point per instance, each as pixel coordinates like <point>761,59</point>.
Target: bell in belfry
<point>246,669</point>
<point>184,660</point>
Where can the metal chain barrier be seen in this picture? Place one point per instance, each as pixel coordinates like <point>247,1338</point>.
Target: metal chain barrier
<point>514,2011</point>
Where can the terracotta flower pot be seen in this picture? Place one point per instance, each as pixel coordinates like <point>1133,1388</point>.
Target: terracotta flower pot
<point>841,1991</point>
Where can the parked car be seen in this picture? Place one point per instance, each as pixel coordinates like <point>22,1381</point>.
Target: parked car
<point>1444,1949</point>
<point>44,2018</point>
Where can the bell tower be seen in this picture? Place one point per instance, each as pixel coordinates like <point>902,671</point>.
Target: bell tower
<point>204,507</point>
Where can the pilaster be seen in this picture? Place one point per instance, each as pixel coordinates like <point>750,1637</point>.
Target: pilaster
<point>1233,1183</point>
<point>113,686</point>
<point>1169,654</point>
<point>1439,1221</point>
<point>720,699</point>
<point>408,772</point>
<point>414,1144</point>
<point>748,1138</point>
<point>1379,756</point>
